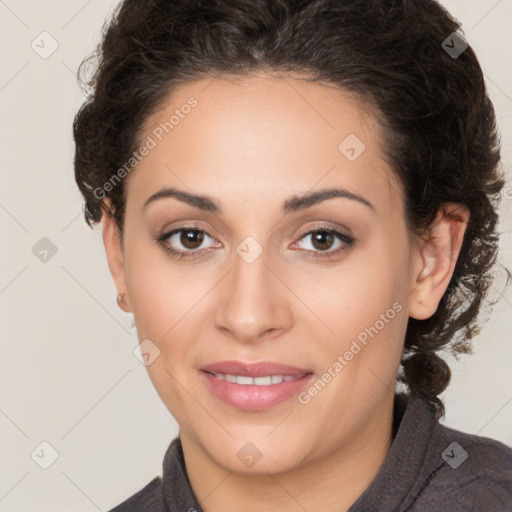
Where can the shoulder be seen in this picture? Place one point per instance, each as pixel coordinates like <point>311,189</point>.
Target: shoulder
<point>467,471</point>
<point>481,455</point>
<point>148,499</point>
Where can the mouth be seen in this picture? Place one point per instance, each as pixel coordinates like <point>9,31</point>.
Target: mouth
<point>247,393</point>
<point>252,369</point>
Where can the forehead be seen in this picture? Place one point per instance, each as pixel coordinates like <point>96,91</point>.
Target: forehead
<point>263,135</point>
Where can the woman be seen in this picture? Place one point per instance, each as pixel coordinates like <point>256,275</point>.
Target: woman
<point>299,202</point>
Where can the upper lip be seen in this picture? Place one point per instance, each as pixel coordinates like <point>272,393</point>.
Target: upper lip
<point>260,369</point>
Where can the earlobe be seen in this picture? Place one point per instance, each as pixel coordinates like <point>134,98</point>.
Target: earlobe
<point>436,259</point>
<point>115,257</point>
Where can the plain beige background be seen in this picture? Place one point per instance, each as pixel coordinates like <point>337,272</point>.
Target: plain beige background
<point>69,376</point>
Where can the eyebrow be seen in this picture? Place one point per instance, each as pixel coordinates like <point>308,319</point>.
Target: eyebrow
<point>292,204</point>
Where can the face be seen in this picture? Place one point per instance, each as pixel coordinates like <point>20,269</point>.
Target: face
<point>321,285</point>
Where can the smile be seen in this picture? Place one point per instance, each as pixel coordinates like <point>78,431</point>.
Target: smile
<point>267,380</point>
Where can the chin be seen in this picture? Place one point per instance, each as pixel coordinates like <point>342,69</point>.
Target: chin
<point>257,458</point>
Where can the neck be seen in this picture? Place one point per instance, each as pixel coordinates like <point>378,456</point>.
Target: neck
<point>332,482</point>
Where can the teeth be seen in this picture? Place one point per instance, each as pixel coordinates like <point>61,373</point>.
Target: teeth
<point>258,381</point>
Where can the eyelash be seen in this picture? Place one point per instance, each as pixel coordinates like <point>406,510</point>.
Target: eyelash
<point>348,242</point>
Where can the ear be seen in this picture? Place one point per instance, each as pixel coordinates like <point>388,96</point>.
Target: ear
<point>115,257</point>
<point>435,260</point>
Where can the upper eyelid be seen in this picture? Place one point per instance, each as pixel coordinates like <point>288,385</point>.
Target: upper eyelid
<point>323,224</point>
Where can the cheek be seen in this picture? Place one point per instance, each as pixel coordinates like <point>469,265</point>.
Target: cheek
<point>365,309</point>
<point>162,306</point>
<point>154,297</point>
<point>149,307</point>
<point>353,296</point>
<point>165,306</point>
<point>152,281</point>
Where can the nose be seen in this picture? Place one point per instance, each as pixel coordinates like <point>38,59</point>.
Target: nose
<point>254,302</point>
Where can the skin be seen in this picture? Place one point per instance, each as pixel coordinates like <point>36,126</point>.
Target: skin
<point>250,144</point>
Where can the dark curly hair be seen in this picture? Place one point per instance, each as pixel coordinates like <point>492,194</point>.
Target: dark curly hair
<point>438,122</point>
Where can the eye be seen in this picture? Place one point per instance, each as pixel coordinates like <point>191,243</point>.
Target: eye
<point>189,237</point>
<point>323,238</point>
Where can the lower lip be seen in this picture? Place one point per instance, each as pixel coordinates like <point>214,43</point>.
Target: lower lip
<point>252,397</point>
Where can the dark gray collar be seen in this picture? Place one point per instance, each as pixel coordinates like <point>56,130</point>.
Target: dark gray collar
<point>414,421</point>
